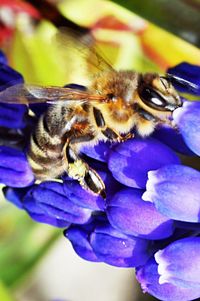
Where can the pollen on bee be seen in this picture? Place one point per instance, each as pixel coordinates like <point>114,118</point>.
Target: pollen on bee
<point>77,169</point>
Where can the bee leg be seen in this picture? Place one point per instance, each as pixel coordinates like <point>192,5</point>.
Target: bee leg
<point>128,136</point>
<point>114,136</point>
<point>94,182</point>
<point>108,132</point>
<point>79,170</point>
<point>148,116</point>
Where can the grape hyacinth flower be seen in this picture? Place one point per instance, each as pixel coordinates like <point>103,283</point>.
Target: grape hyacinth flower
<point>150,219</point>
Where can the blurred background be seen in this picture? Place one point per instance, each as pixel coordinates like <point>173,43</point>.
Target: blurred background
<point>36,262</point>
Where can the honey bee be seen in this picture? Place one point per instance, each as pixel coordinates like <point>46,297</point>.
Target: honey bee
<point>115,104</point>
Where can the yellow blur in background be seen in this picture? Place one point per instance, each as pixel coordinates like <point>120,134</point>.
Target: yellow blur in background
<point>128,42</point>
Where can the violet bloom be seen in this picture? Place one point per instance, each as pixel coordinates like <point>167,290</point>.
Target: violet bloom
<point>175,191</point>
<point>152,199</point>
<point>99,241</point>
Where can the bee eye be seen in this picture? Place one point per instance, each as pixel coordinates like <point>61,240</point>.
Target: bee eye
<point>151,98</point>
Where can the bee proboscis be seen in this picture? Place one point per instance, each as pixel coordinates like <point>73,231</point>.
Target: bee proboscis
<point>115,104</point>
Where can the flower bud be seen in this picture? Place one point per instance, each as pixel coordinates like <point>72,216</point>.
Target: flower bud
<point>128,213</point>
<point>187,119</point>
<point>130,161</point>
<point>175,191</point>
<point>14,168</point>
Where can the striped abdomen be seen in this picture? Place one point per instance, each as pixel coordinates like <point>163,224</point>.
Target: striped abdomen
<point>45,153</point>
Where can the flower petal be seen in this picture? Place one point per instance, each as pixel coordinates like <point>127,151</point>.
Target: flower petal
<point>49,198</point>
<point>13,116</point>
<point>130,161</point>
<point>98,152</point>
<point>14,168</point>
<point>178,263</point>
<point>15,195</point>
<point>79,196</point>
<point>186,78</point>
<point>175,191</point>
<point>9,77</point>
<point>115,248</point>
<point>188,120</point>
<point>148,277</point>
<point>42,217</point>
<point>173,139</point>
<point>3,58</point>
<point>79,237</point>
<point>128,213</point>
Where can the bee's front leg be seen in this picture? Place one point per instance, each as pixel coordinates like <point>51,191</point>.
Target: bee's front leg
<point>108,132</point>
<point>112,135</point>
<point>79,170</point>
<point>128,136</point>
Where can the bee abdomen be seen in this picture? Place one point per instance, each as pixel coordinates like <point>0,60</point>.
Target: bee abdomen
<point>45,152</point>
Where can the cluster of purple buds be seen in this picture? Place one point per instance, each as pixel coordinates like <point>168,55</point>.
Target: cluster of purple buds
<point>151,218</point>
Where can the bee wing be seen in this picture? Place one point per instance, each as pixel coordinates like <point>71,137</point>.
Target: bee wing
<point>27,94</point>
<point>83,47</point>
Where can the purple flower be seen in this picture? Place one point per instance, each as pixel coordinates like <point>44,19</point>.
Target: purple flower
<point>128,213</point>
<point>178,263</point>
<point>130,161</point>
<point>8,76</point>
<point>186,78</point>
<point>175,191</point>
<point>80,240</point>
<point>14,168</point>
<point>152,199</point>
<point>173,139</point>
<point>188,120</point>
<point>149,278</point>
<point>11,116</point>
<point>99,241</point>
<point>53,203</point>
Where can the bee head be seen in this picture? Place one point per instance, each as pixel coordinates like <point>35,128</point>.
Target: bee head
<point>158,93</point>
